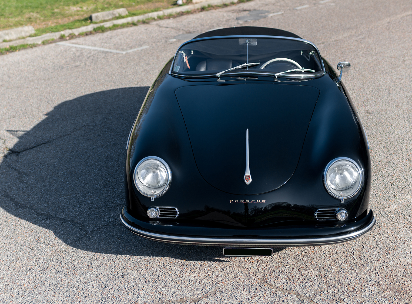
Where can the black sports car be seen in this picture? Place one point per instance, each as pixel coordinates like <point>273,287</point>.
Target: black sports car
<point>248,138</point>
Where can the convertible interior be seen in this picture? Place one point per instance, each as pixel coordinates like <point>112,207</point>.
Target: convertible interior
<point>205,56</point>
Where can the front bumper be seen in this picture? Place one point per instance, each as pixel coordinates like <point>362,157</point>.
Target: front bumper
<point>242,237</point>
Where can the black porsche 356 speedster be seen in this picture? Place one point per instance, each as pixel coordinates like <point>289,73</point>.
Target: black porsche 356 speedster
<point>248,138</point>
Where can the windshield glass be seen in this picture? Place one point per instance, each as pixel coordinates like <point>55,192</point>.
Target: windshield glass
<point>231,55</point>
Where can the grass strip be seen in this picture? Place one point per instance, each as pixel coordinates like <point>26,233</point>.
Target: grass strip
<point>4,51</point>
<point>48,13</point>
<point>102,29</point>
<point>84,22</point>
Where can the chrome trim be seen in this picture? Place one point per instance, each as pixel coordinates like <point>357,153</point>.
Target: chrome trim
<point>155,209</point>
<point>360,169</point>
<point>249,242</point>
<point>247,177</point>
<point>237,67</point>
<point>329,214</point>
<point>169,175</point>
<point>280,59</point>
<point>326,214</point>
<point>249,73</point>
<point>130,134</point>
<point>342,66</point>
<point>287,74</point>
<point>167,209</point>
<point>346,214</point>
<point>248,36</point>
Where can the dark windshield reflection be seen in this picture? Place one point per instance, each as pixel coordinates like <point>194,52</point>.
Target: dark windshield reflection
<point>274,55</point>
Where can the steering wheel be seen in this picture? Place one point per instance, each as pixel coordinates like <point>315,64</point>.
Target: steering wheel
<point>280,59</point>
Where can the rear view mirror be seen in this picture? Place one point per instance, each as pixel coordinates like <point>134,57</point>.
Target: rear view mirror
<point>343,66</point>
<point>247,41</point>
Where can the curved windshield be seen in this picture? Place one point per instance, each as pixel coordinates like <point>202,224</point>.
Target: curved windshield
<point>219,56</point>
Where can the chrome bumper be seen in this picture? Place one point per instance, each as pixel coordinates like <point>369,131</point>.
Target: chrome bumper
<point>250,242</point>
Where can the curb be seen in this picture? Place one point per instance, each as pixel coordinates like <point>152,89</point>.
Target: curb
<point>155,15</point>
<point>16,33</point>
<point>96,17</point>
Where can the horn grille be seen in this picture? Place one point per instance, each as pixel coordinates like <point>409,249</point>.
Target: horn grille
<point>326,214</point>
<point>168,212</point>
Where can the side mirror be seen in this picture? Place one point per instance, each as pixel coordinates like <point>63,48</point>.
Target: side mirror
<point>343,66</point>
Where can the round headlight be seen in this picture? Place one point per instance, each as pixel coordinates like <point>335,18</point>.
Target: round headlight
<point>343,178</point>
<point>152,176</point>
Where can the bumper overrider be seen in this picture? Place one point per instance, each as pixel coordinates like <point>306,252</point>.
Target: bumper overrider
<point>251,238</point>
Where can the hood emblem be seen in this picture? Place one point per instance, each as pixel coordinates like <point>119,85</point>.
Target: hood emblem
<point>247,178</point>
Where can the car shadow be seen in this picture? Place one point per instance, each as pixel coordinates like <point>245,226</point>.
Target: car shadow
<point>66,175</point>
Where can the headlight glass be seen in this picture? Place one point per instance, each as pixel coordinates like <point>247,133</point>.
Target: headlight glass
<point>343,178</point>
<point>152,176</point>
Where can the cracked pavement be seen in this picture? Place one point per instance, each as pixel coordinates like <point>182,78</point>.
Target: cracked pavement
<point>65,115</point>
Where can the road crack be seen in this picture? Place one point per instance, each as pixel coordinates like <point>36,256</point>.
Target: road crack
<point>12,151</point>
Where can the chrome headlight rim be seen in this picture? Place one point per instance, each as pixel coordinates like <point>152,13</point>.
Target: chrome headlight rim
<point>137,182</point>
<point>325,179</point>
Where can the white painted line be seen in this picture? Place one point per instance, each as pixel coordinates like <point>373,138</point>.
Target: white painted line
<point>324,1</point>
<point>90,47</point>
<point>173,40</point>
<point>138,49</point>
<point>101,49</point>
<point>301,7</point>
<point>274,14</point>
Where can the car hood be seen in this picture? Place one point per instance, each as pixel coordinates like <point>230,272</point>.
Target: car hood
<point>276,116</point>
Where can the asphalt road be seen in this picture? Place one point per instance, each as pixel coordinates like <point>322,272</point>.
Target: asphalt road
<point>65,114</point>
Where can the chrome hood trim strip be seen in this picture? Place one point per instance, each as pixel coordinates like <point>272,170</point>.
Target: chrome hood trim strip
<point>247,178</point>
<point>250,241</point>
